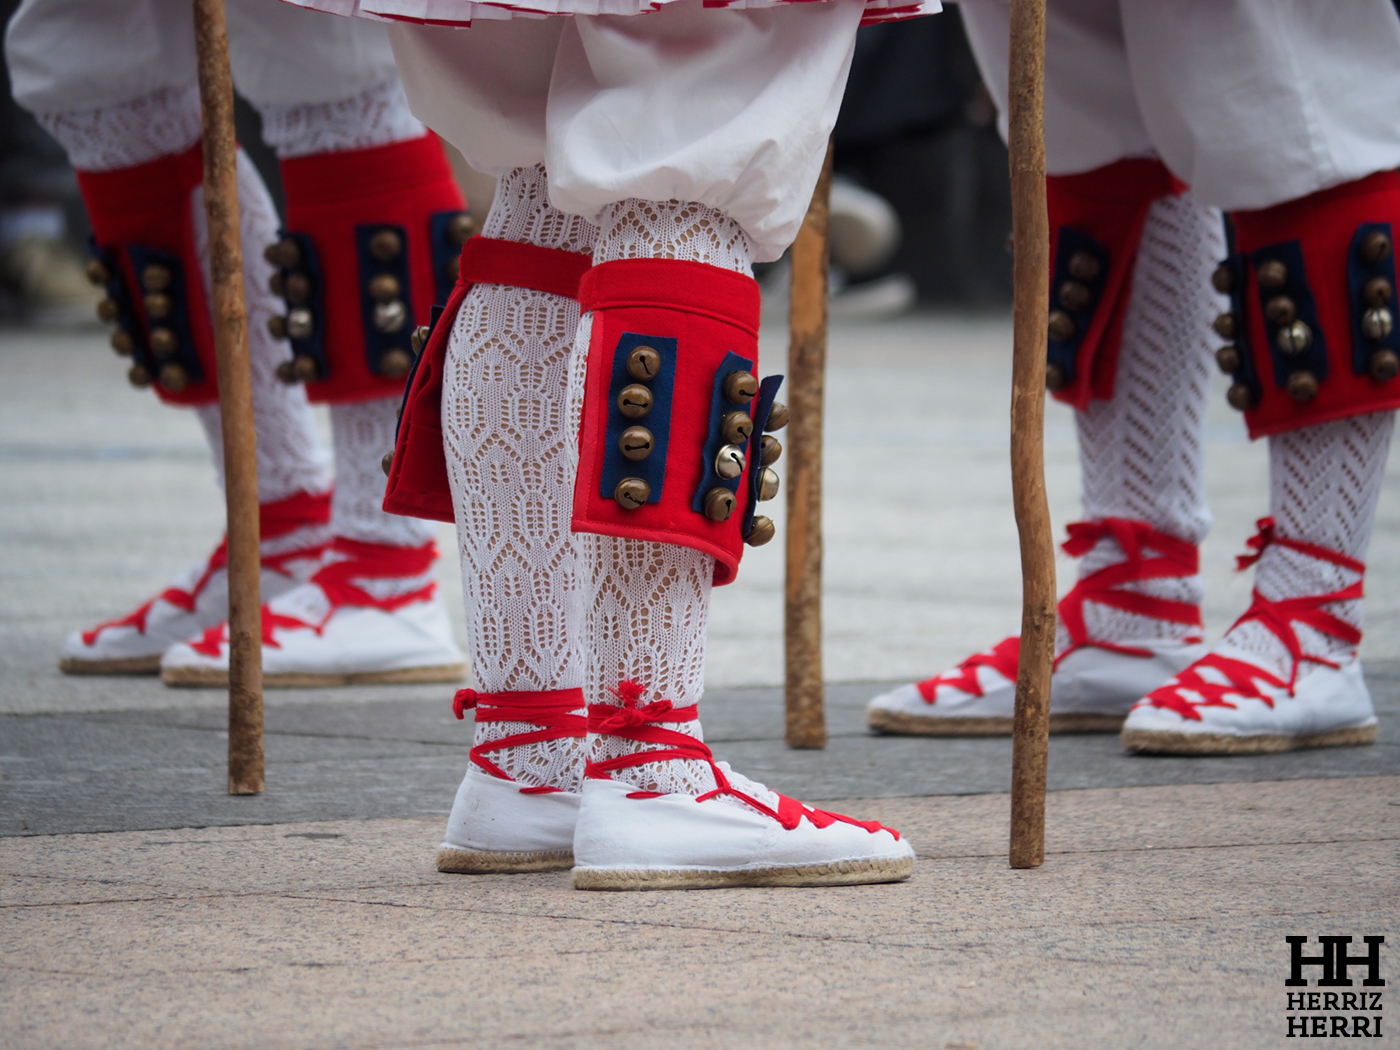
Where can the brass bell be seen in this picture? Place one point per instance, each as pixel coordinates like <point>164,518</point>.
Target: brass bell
<point>138,376</point>
<point>301,323</point>
<point>1376,323</point>
<point>460,228</point>
<point>740,387</point>
<point>777,417</point>
<point>1375,247</point>
<point>1272,274</point>
<point>156,278</point>
<point>163,342</point>
<point>298,289</point>
<point>1054,377</point>
<point>1083,266</point>
<point>1223,279</point>
<point>418,339</point>
<point>770,450</point>
<point>277,325</point>
<point>634,401</point>
<point>287,372</point>
<point>97,272</point>
<point>285,253</point>
<point>383,287</point>
<point>1225,326</point>
<point>1075,295</point>
<point>636,443</point>
<point>386,245</point>
<point>1294,339</point>
<point>275,284</point>
<point>390,316</point>
<point>174,377</point>
<point>719,504</point>
<point>1228,358</point>
<point>735,427</point>
<point>729,462</point>
<point>1061,326</point>
<point>158,306</point>
<point>108,310</point>
<point>1281,310</point>
<point>643,363</point>
<point>395,363</point>
<point>1302,386</point>
<point>387,463</point>
<point>1240,396</point>
<point>305,368</point>
<point>762,531</point>
<point>767,483</point>
<point>1385,365</point>
<point>123,343</point>
<point>1376,292</point>
<point>631,493</point>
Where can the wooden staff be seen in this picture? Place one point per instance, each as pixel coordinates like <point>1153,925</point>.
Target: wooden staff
<point>806,382</point>
<point>245,711</point>
<point>1030,231</point>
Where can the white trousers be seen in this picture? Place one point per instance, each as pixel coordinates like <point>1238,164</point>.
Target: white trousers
<point>75,55</point>
<point>1250,102</point>
<point>728,108</point>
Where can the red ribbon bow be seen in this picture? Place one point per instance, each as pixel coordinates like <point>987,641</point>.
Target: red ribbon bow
<point>463,699</point>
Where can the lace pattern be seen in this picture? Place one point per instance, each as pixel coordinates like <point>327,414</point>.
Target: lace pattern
<point>291,458</point>
<point>136,132</point>
<point>512,481</point>
<point>1142,452</point>
<point>1324,484</point>
<point>361,433</point>
<point>376,116</point>
<point>648,603</point>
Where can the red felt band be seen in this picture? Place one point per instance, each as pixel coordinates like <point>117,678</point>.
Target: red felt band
<point>330,194</point>
<point>1110,205</point>
<point>418,477</point>
<point>1324,224</point>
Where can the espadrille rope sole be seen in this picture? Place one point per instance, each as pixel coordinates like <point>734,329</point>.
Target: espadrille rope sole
<point>121,665</point>
<point>484,862</point>
<point>837,873</point>
<point>1161,742</point>
<point>212,677</point>
<point>899,722</point>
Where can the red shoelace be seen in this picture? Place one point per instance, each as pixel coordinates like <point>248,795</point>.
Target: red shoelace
<point>1278,617</point>
<point>552,711</point>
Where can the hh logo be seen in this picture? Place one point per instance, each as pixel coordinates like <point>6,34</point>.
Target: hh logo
<point>1335,961</point>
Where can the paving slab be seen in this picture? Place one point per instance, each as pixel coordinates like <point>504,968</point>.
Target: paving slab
<point>1158,920</point>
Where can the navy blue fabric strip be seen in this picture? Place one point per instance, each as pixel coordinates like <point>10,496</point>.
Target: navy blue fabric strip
<point>444,252</point>
<point>616,466</point>
<point>378,343</point>
<point>1290,253</point>
<point>314,347</point>
<point>178,320</point>
<point>767,392</point>
<point>1247,373</point>
<point>116,290</point>
<point>1358,273</point>
<point>719,405</point>
<point>1069,242</point>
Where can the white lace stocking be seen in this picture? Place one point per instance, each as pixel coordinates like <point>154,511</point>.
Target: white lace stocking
<point>1142,452</point>
<point>376,116</point>
<point>362,432</point>
<point>648,603</point>
<point>1324,482</point>
<point>512,484</point>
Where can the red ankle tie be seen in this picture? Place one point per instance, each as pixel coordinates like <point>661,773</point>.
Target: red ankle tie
<point>551,710</point>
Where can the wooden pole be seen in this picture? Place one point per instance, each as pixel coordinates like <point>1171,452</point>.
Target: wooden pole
<point>245,709</point>
<point>1030,232</point>
<point>804,699</point>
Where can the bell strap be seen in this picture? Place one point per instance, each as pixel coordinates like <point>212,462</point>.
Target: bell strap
<point>1172,559</point>
<point>551,710</point>
<point>640,724</point>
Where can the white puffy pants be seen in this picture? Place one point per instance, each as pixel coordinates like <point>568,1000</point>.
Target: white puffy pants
<point>73,55</point>
<point>728,108</point>
<point>1250,102</point>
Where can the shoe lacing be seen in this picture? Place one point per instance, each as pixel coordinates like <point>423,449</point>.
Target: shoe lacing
<point>641,725</point>
<point>552,711</point>
<point>1276,616</point>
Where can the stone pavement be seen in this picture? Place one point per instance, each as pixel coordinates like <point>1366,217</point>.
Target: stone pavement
<point>143,907</point>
